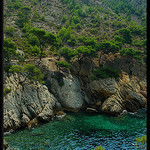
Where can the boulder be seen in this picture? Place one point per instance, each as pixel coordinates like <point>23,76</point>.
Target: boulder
<point>113,105</point>
<point>103,88</point>
<point>125,93</point>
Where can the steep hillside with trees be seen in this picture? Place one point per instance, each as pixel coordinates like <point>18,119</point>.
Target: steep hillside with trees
<point>95,49</point>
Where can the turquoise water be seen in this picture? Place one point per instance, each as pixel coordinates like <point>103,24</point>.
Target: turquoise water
<point>82,131</point>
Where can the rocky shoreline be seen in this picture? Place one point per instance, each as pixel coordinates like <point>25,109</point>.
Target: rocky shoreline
<point>31,102</point>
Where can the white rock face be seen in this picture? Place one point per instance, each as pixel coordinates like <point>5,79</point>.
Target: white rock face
<point>25,102</point>
<point>70,94</point>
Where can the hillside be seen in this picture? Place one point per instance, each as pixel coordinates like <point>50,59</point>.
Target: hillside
<point>93,21</point>
<point>85,45</point>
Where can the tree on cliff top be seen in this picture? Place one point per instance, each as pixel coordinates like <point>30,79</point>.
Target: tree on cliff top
<point>106,48</point>
<point>44,37</point>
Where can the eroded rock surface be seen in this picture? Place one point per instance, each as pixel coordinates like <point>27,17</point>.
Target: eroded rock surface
<point>25,102</point>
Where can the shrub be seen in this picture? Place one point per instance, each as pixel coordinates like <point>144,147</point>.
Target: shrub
<point>33,40</point>
<point>29,71</point>
<point>10,31</point>
<point>141,142</point>
<point>105,72</point>
<point>72,41</point>
<point>67,53</point>
<point>36,15</point>
<point>88,41</point>
<point>85,51</point>
<point>6,91</point>
<point>64,64</point>
<point>125,34</point>
<point>64,18</point>
<point>107,47</point>
<point>130,52</point>
<point>9,50</point>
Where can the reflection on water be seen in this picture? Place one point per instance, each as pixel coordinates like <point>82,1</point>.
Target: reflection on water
<point>82,131</point>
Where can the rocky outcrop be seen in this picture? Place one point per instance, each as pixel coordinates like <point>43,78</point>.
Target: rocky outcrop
<point>69,94</point>
<point>124,94</point>
<point>64,86</point>
<point>25,102</point>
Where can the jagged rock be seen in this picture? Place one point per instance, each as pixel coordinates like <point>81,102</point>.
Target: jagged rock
<point>103,88</point>
<point>24,120</point>
<point>76,67</point>
<point>5,145</point>
<point>32,123</point>
<point>118,95</point>
<point>112,105</point>
<point>26,101</point>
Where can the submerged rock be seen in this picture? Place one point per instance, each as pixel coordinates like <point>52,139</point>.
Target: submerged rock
<point>91,110</point>
<point>60,114</point>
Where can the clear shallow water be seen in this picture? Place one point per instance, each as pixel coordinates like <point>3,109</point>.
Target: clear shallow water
<point>82,131</point>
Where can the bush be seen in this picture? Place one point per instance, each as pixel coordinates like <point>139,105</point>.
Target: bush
<point>125,34</point>
<point>85,51</point>
<point>64,64</point>
<point>130,52</point>
<point>107,47</point>
<point>29,71</point>
<point>67,53</point>
<point>64,18</point>
<point>6,91</point>
<point>33,40</point>
<point>10,31</point>
<point>88,41</point>
<point>105,73</point>
<point>141,142</point>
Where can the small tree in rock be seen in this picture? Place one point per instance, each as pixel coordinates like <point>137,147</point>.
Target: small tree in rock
<point>106,48</point>
<point>131,55</point>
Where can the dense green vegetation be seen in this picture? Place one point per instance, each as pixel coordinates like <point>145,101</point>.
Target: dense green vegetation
<point>105,72</point>
<point>29,71</point>
<point>81,29</point>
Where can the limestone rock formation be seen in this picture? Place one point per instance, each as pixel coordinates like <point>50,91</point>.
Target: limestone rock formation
<point>120,95</point>
<point>26,101</point>
<point>65,86</point>
<point>69,94</point>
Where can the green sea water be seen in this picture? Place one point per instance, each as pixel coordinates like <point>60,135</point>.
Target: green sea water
<point>82,131</point>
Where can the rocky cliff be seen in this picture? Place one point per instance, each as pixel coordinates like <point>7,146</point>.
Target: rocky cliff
<point>29,102</point>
